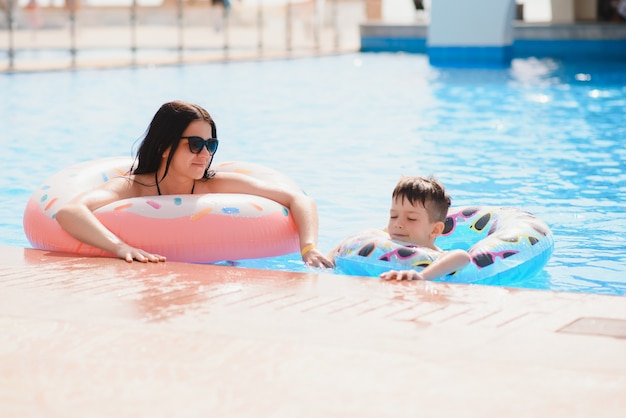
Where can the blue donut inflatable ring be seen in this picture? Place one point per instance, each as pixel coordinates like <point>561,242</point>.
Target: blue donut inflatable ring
<point>505,245</point>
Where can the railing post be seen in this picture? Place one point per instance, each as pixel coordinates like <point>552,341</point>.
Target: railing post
<point>259,25</point>
<point>10,23</point>
<point>133,32</point>
<point>225,26</point>
<point>288,23</point>
<point>179,22</point>
<point>72,17</point>
<point>317,22</point>
<point>336,23</point>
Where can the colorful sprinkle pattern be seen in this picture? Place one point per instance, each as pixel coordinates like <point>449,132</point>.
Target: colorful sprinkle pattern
<point>196,228</point>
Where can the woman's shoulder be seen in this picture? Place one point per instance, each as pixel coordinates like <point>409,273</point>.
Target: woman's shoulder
<point>131,186</point>
<point>229,175</point>
<point>229,182</point>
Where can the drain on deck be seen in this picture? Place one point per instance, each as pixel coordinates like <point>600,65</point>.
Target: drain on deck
<point>607,327</point>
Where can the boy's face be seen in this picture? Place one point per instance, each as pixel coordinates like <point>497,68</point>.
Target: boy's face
<point>410,223</point>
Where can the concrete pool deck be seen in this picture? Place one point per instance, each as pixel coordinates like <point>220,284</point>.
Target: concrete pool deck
<point>101,338</point>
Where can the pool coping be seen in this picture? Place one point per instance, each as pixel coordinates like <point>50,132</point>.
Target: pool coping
<point>572,41</point>
<point>101,337</point>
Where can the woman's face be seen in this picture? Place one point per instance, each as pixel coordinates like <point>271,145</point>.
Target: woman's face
<point>184,162</point>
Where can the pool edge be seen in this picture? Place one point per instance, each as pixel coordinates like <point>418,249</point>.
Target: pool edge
<point>163,337</point>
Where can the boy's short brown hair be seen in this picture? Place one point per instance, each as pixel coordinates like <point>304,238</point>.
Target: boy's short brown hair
<point>427,191</point>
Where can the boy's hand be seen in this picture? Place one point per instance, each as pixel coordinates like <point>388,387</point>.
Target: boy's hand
<point>401,275</point>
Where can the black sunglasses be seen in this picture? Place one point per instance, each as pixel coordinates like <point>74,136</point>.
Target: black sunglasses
<point>196,144</point>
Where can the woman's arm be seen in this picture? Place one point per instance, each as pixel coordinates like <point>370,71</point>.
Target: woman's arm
<point>447,263</point>
<point>304,210</point>
<point>302,207</point>
<point>78,220</point>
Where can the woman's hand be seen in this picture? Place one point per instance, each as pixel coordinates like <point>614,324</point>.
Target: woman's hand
<point>128,253</point>
<point>401,275</point>
<point>314,258</point>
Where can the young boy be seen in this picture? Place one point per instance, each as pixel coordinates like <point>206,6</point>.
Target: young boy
<point>419,207</point>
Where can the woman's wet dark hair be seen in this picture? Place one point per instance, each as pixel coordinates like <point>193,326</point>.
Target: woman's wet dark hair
<point>165,130</point>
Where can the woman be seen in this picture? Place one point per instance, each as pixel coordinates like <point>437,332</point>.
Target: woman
<point>175,158</point>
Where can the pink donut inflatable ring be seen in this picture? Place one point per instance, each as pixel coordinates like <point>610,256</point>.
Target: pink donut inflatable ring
<point>189,228</point>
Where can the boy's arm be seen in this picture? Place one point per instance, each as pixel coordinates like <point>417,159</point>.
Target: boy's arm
<point>447,263</point>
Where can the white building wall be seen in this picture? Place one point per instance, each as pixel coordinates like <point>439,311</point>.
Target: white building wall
<point>471,23</point>
<point>555,11</point>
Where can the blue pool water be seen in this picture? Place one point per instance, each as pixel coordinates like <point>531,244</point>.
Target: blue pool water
<point>543,136</point>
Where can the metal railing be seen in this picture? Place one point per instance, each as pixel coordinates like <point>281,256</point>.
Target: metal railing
<point>177,32</point>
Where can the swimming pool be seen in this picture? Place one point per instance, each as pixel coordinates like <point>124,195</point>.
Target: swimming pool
<point>543,136</point>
